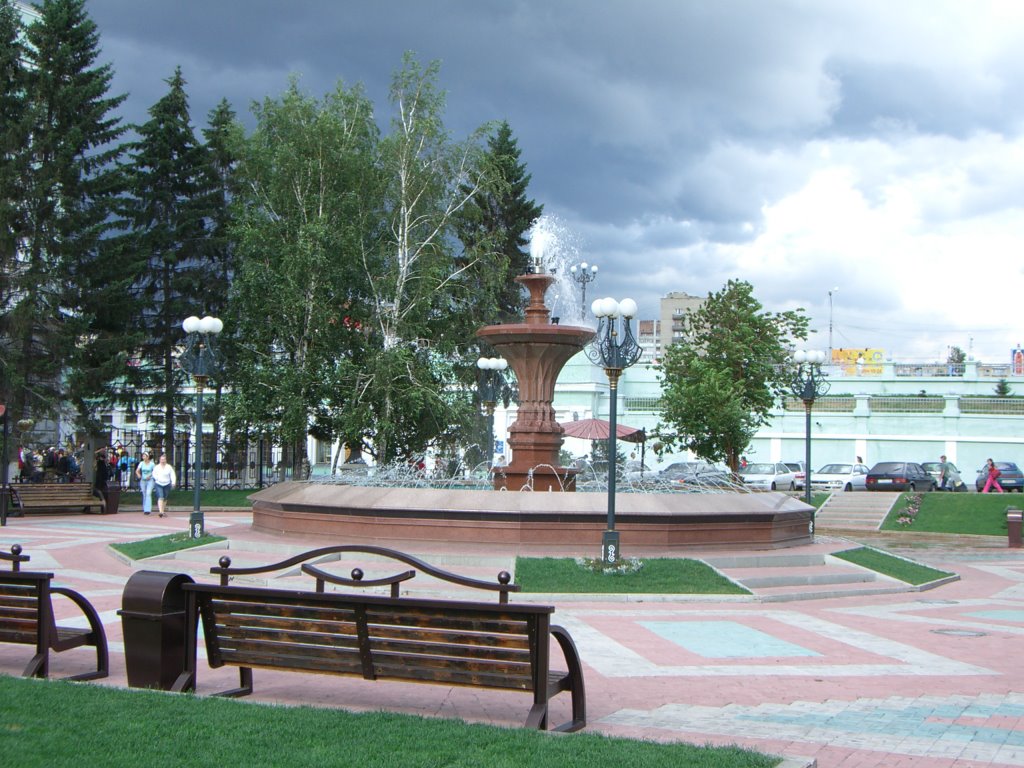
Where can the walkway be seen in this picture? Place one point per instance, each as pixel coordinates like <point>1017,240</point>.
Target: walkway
<point>909,679</point>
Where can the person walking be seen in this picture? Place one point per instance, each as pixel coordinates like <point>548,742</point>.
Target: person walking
<point>164,480</point>
<point>993,477</point>
<point>944,469</point>
<point>144,472</point>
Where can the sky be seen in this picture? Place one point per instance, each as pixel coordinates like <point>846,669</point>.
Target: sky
<point>860,159</point>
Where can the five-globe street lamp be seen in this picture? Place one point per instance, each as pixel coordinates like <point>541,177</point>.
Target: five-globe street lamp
<point>490,384</point>
<point>583,274</point>
<point>202,360</point>
<point>615,353</point>
<point>808,384</point>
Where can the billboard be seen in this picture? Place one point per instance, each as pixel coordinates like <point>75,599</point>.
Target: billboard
<point>866,361</point>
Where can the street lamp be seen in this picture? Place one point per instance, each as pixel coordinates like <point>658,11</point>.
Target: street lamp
<point>583,274</point>
<point>614,354</point>
<point>490,383</point>
<point>835,289</point>
<point>808,384</point>
<point>202,360</point>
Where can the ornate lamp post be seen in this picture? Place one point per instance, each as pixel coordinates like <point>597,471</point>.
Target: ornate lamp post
<point>614,353</point>
<point>808,384</point>
<point>583,274</point>
<point>490,383</point>
<point>202,360</point>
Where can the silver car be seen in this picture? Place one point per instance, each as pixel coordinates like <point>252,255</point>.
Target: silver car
<point>835,477</point>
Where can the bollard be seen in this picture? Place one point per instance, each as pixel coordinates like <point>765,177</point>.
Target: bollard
<point>1013,527</point>
<point>153,619</point>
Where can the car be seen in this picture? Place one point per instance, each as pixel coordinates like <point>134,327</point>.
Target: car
<point>898,476</point>
<point>840,477</point>
<point>637,471</point>
<point>798,468</point>
<point>682,469</point>
<point>768,476</point>
<point>1010,477</point>
<point>934,468</point>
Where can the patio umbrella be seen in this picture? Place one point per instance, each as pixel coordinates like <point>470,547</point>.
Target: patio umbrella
<point>599,429</point>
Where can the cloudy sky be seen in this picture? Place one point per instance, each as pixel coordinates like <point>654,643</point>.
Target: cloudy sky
<point>870,148</point>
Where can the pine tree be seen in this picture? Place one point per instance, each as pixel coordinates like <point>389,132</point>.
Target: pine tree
<point>70,182</point>
<point>500,216</point>
<point>175,276</point>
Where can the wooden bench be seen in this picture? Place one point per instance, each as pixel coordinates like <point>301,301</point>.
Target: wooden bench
<point>26,617</point>
<point>55,497</point>
<point>441,641</point>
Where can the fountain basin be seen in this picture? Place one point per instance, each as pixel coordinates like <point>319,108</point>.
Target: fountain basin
<point>576,520</point>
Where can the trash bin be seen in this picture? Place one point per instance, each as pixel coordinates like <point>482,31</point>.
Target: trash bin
<point>153,621</point>
<point>112,495</point>
<point>1013,527</point>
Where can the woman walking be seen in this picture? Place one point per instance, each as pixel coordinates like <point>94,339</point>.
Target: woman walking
<point>144,471</point>
<point>993,477</point>
<point>164,480</point>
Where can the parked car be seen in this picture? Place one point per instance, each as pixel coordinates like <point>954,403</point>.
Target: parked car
<point>1010,477</point>
<point>682,469</point>
<point>636,471</point>
<point>934,468</point>
<point>845,477</point>
<point>798,473</point>
<point>769,476</point>
<point>898,476</point>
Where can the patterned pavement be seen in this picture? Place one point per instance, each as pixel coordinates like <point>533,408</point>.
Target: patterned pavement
<point>912,680</point>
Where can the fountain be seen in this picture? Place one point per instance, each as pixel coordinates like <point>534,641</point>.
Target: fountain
<point>537,350</point>
<point>519,511</point>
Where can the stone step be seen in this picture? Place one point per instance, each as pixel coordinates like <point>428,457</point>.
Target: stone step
<point>827,592</point>
<point>762,578</point>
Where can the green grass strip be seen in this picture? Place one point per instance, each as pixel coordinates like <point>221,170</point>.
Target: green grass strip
<point>657,576</point>
<point>895,567</point>
<point>981,514</point>
<point>161,545</point>
<point>58,724</point>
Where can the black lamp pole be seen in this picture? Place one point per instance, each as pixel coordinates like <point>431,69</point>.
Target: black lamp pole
<point>614,354</point>
<point>808,384</point>
<point>5,481</point>
<point>202,360</point>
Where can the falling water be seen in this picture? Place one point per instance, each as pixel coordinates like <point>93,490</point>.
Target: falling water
<point>556,249</point>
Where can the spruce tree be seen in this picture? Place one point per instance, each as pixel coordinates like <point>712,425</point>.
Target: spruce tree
<point>175,276</point>
<point>69,184</point>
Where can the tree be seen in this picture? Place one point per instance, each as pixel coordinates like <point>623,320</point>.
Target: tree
<point>424,293</point>
<point>498,218</point>
<point>1002,388</point>
<point>307,199</point>
<point>68,185</point>
<point>167,212</point>
<point>721,381</point>
<point>956,357</point>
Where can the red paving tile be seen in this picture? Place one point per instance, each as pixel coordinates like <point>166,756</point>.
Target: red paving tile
<point>917,679</point>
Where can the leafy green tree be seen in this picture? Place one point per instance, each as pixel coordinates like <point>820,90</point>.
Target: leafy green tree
<point>956,356</point>
<point>69,183</point>
<point>721,381</point>
<point>1002,388</point>
<point>308,200</point>
<point>167,212</point>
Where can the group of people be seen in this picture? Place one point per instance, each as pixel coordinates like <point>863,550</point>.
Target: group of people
<point>949,478</point>
<point>155,477</point>
<point>53,464</point>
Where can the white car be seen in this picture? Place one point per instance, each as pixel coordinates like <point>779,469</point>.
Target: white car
<point>840,477</point>
<point>766,476</point>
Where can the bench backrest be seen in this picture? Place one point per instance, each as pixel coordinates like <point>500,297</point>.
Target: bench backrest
<point>444,641</point>
<point>25,607</point>
<point>53,490</point>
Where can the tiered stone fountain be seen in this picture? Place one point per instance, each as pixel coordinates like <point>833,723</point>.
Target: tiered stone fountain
<point>537,350</point>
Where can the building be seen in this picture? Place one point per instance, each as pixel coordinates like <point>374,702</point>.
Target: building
<point>674,307</point>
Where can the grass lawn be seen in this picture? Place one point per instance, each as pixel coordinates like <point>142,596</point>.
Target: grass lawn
<point>161,545</point>
<point>58,724</point>
<point>972,513</point>
<point>657,576</point>
<point>208,498</point>
<point>892,566</point>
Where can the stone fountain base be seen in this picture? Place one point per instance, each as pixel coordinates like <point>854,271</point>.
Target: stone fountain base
<point>667,520</point>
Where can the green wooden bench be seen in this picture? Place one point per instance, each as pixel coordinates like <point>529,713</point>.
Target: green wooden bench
<point>440,641</point>
<point>26,617</point>
<point>54,497</point>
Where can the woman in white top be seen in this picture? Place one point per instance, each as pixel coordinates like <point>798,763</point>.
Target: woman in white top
<point>144,471</point>
<point>164,480</point>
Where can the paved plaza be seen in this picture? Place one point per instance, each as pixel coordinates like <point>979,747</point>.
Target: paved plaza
<point>910,679</point>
